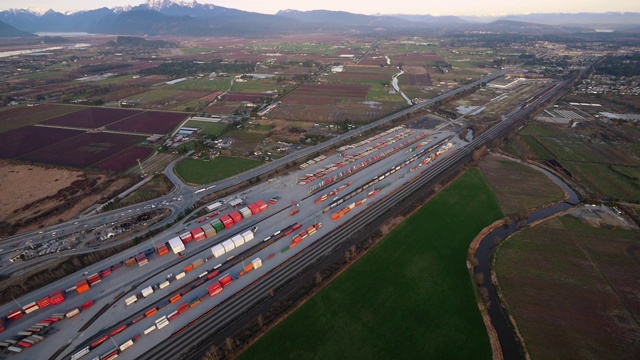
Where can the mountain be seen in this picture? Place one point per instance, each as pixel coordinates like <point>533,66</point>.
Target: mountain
<point>444,20</point>
<point>342,17</point>
<point>8,31</point>
<point>53,21</point>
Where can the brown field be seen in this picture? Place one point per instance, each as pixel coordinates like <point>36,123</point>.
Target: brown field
<point>92,117</point>
<point>573,289</point>
<point>417,70</point>
<point>339,111</point>
<point>22,141</point>
<point>506,178</point>
<point>43,196</point>
<point>211,97</point>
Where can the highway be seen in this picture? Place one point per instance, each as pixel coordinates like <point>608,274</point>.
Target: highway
<point>184,196</point>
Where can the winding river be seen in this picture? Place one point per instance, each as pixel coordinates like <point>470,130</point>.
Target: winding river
<point>511,348</point>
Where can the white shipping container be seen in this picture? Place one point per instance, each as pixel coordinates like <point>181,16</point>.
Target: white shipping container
<point>176,245</point>
<point>246,212</point>
<point>228,245</point>
<point>126,345</point>
<point>160,319</point>
<point>247,235</point>
<point>131,299</point>
<point>181,275</point>
<point>153,327</point>
<point>162,324</point>
<point>238,240</point>
<point>164,285</point>
<point>218,250</point>
<point>257,262</point>
<point>212,207</point>
<point>147,291</point>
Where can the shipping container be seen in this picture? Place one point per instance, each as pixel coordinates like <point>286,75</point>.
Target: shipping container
<point>162,249</point>
<point>162,324</point>
<point>137,320</point>
<point>209,231</point>
<point>297,239</point>
<point>44,302</point>
<point>149,329</point>
<point>126,345</point>
<point>227,221</point>
<point>175,298</point>
<point>149,313</point>
<point>87,304</point>
<point>245,212</point>
<point>173,315</point>
<point>73,312</point>
<point>213,274</point>
<point>188,268</point>
<point>93,279</point>
<point>118,330</point>
<point>176,245</point>
<point>181,275</point>
<point>247,236</point>
<point>105,272</point>
<point>198,234</point>
<point>257,262</point>
<point>131,299</point>
<point>228,245</point>
<point>141,259</point>
<point>147,291</point>
<point>130,261</point>
<point>110,355</point>
<point>235,216</point>
<point>186,237</point>
<point>262,205</point>
<point>225,280</point>
<point>82,286</point>
<point>183,308</point>
<point>255,209</point>
<point>80,353</point>
<point>238,240</point>
<point>214,289</point>
<point>218,225</point>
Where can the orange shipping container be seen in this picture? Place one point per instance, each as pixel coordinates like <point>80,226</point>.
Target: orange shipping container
<point>297,239</point>
<point>176,298</point>
<point>336,216</point>
<point>82,286</point>
<point>151,312</point>
<point>248,268</point>
<point>188,268</point>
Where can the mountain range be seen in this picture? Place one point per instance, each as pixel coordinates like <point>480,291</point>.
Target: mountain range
<point>190,18</point>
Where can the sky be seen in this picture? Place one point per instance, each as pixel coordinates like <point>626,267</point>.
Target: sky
<point>432,7</point>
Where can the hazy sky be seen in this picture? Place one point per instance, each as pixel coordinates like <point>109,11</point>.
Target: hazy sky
<point>433,7</point>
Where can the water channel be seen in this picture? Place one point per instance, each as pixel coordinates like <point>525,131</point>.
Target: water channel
<point>511,348</point>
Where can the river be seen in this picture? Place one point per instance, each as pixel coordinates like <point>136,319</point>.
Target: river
<point>394,83</point>
<point>511,348</point>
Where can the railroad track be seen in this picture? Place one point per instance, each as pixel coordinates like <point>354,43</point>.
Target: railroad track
<point>218,317</point>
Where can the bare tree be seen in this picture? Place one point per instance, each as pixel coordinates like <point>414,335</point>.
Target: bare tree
<point>318,278</point>
<point>228,343</point>
<point>260,321</point>
<point>211,354</point>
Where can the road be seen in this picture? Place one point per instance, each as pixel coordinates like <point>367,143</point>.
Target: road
<point>190,195</point>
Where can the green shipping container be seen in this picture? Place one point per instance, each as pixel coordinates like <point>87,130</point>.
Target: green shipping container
<point>218,225</point>
<point>284,250</point>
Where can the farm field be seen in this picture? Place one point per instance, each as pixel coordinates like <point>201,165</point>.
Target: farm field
<point>125,159</point>
<point>91,117</point>
<point>19,142</point>
<point>19,116</point>
<point>410,297</point>
<point>603,158</point>
<point>572,289</point>
<point>83,150</point>
<point>150,122</point>
<point>221,167</point>
<point>245,140</point>
<point>517,186</point>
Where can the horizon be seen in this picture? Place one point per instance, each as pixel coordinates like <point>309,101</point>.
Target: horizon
<point>373,7</point>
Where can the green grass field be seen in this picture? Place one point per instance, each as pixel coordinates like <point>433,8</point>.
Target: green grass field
<point>208,128</point>
<point>215,84</point>
<point>409,298</point>
<point>255,86</point>
<point>222,167</point>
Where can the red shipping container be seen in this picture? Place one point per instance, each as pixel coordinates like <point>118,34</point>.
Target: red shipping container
<point>44,302</point>
<point>215,289</point>
<point>227,221</point>
<point>254,208</point>
<point>186,237</point>
<point>198,234</point>
<point>57,297</point>
<point>236,216</point>
<point>105,272</point>
<point>15,314</point>
<point>262,205</point>
<point>183,308</point>
<point>225,280</point>
<point>87,305</point>
<point>93,279</point>
<point>213,274</point>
